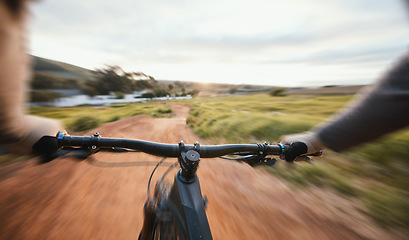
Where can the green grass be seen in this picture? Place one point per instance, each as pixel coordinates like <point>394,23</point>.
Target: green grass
<point>262,117</point>
<point>320,175</point>
<point>87,117</point>
<point>257,118</point>
<point>84,123</point>
<point>375,174</point>
<point>388,206</point>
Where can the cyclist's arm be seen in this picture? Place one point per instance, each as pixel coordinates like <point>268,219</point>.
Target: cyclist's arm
<point>382,109</point>
<point>16,128</point>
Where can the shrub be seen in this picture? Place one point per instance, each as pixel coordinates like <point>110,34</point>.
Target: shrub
<point>148,95</point>
<point>84,123</point>
<point>277,92</point>
<point>164,110</point>
<point>160,92</point>
<point>119,95</point>
<point>114,118</point>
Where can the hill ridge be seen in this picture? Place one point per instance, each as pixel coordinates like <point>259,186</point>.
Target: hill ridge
<point>61,69</point>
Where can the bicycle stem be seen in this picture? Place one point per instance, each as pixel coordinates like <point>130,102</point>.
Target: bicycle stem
<point>188,161</point>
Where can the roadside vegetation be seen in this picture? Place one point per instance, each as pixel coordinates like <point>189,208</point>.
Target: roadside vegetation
<point>260,117</point>
<point>376,174</point>
<point>84,118</point>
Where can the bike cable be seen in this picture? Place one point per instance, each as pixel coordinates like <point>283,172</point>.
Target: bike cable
<point>153,172</point>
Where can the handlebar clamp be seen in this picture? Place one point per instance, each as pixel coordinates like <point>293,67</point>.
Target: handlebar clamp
<point>188,161</point>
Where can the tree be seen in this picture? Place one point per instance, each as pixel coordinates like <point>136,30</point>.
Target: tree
<point>113,79</point>
<point>144,84</point>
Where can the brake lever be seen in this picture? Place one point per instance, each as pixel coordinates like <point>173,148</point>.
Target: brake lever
<point>250,160</point>
<point>267,162</point>
<point>255,160</point>
<point>304,158</point>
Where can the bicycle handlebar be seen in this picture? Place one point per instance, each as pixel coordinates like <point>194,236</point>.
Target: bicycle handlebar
<point>167,150</point>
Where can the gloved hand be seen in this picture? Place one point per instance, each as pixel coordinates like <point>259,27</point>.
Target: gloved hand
<point>46,148</point>
<point>300,144</point>
<point>46,145</point>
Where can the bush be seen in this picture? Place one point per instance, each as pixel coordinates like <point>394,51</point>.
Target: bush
<point>164,110</point>
<point>84,123</point>
<point>148,95</point>
<point>277,92</point>
<point>160,92</point>
<point>119,95</point>
<point>114,118</point>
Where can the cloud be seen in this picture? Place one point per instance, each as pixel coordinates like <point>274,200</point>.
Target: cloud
<point>261,33</point>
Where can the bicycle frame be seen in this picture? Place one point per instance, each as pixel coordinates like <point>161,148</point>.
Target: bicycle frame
<point>188,198</point>
<point>185,201</point>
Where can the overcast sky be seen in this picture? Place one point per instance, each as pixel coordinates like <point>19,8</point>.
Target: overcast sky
<point>286,43</point>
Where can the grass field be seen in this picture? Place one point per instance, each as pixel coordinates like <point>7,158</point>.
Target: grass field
<point>376,175</point>
<point>260,117</point>
<point>88,117</point>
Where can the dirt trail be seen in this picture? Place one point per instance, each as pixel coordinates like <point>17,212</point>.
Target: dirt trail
<point>71,199</point>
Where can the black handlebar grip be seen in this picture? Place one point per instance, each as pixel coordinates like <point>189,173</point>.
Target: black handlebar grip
<point>296,149</point>
<point>46,146</point>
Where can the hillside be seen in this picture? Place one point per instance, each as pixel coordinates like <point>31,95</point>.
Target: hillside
<point>60,69</point>
<point>50,73</point>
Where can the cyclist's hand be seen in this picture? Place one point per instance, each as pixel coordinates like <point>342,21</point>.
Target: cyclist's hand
<point>301,144</point>
<point>46,145</point>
